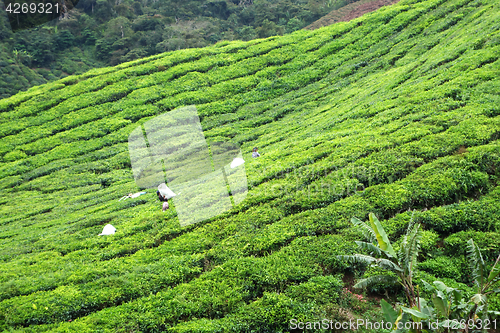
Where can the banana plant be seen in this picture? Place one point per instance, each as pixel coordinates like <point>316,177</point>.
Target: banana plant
<point>449,304</point>
<point>485,283</point>
<point>451,311</point>
<point>449,308</point>
<point>420,317</point>
<point>383,255</point>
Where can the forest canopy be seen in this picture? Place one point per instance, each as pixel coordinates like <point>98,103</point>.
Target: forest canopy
<point>99,33</point>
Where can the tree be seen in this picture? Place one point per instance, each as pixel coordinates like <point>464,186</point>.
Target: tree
<point>103,10</point>
<point>137,8</point>
<point>118,28</point>
<point>218,8</point>
<point>64,39</point>
<point>103,48</point>
<point>269,28</point>
<point>403,263</point>
<point>246,33</point>
<point>41,47</point>
<point>294,24</point>
<point>88,37</point>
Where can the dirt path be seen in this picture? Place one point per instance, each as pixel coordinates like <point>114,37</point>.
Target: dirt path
<point>349,12</point>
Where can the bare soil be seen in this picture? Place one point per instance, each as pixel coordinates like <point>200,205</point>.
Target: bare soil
<point>349,12</point>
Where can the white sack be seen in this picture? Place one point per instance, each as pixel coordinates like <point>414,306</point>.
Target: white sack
<point>165,191</point>
<point>237,162</point>
<point>108,230</point>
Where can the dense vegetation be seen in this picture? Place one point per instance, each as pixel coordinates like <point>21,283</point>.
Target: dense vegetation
<point>395,113</point>
<point>104,32</point>
<point>447,310</point>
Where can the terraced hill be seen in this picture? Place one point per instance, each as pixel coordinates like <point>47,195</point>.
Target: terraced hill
<point>393,112</point>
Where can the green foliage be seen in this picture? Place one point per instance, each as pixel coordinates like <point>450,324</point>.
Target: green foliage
<point>109,33</point>
<point>485,282</point>
<point>442,266</point>
<point>403,264</point>
<point>320,289</point>
<point>429,240</point>
<point>451,312</point>
<point>64,39</point>
<point>387,114</point>
<point>488,242</point>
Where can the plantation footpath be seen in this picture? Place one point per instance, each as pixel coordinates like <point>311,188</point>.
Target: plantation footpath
<point>396,113</point>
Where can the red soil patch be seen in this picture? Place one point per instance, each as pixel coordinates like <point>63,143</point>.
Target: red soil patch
<point>349,12</point>
<point>366,8</point>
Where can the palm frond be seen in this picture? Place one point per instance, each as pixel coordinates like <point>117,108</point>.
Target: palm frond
<point>383,241</point>
<point>389,265</point>
<point>414,247</point>
<point>404,253</point>
<point>358,259</point>
<point>476,263</point>
<point>370,281</point>
<point>410,247</point>
<point>411,224</point>
<point>367,231</point>
<point>369,247</point>
<point>479,299</point>
<point>494,275</point>
<point>403,263</point>
<point>403,250</point>
<point>496,279</point>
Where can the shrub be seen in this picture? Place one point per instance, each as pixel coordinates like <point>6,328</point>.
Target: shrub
<point>488,242</point>
<point>319,289</point>
<point>453,268</point>
<point>14,155</point>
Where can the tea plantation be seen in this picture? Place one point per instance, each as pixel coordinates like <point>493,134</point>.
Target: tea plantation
<point>395,113</point>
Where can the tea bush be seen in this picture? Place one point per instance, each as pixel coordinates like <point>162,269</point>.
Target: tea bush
<point>391,113</point>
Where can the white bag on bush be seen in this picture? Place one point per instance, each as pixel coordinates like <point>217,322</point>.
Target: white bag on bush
<point>108,230</point>
<point>237,162</point>
<point>165,191</point>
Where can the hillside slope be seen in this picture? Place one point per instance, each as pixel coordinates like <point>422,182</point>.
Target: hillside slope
<point>349,12</point>
<point>102,33</point>
<point>396,111</point>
